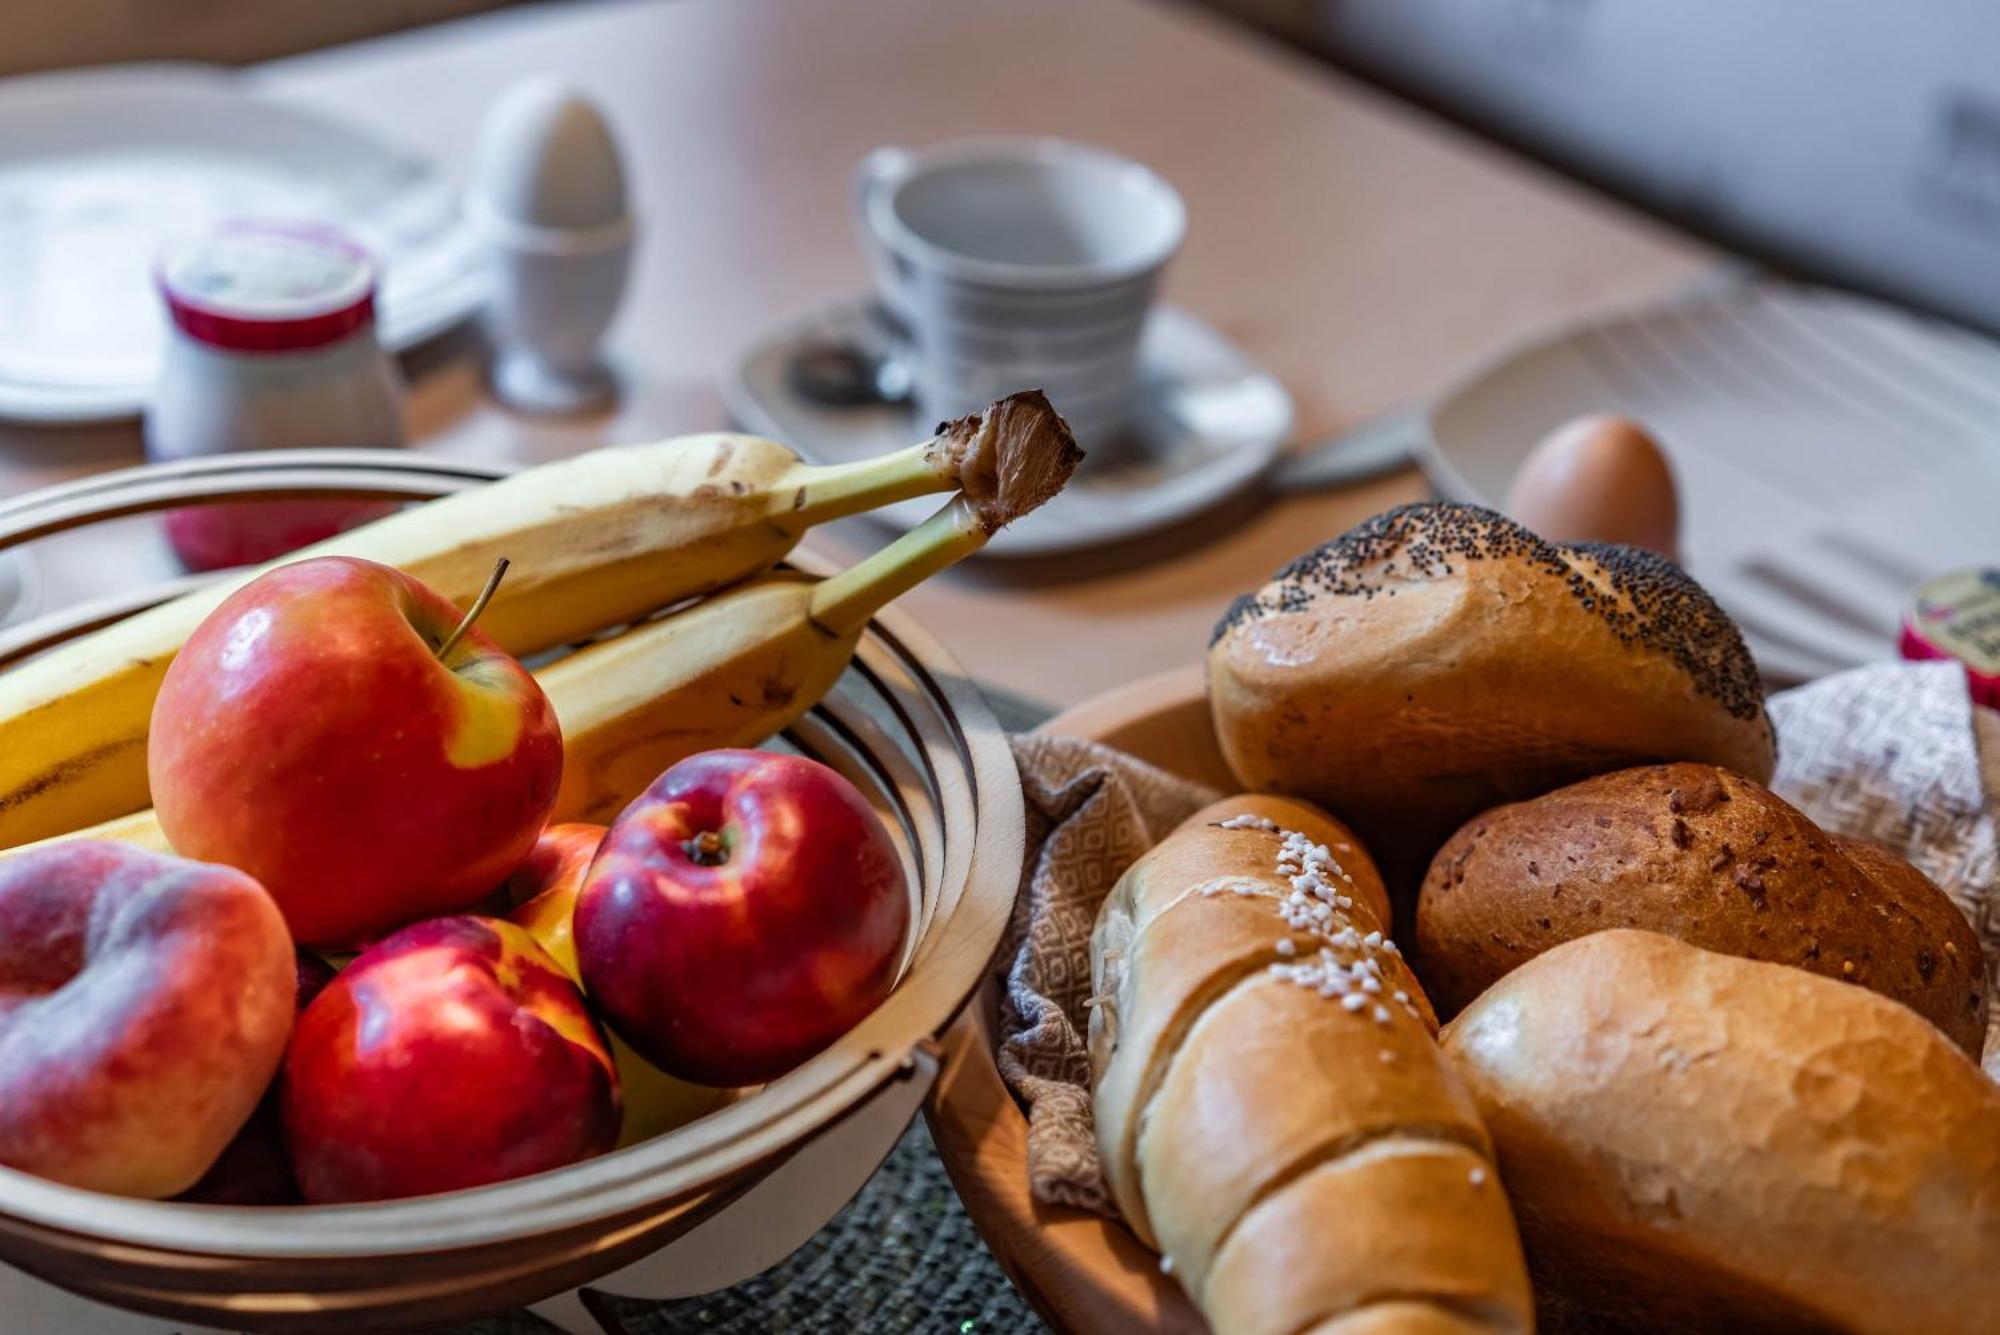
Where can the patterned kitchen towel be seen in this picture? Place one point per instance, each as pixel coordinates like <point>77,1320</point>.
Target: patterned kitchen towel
<point>1898,753</point>
<point>1891,752</point>
<point>1091,812</point>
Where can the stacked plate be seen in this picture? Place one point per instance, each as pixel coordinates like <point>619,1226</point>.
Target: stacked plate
<point>100,168</point>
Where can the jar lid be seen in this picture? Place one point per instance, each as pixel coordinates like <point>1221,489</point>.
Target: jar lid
<point>268,287</point>
<point>1958,616</point>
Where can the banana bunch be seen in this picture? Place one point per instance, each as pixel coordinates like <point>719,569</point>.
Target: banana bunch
<point>596,541</point>
<point>730,670</point>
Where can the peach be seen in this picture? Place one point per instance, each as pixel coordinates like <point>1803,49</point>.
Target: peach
<point>145,1002</point>
<point>254,1168</point>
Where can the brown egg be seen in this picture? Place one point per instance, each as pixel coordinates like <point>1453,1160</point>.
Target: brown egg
<point>1599,479</point>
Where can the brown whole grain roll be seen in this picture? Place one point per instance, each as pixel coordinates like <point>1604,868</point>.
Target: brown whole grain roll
<point>1439,659</point>
<point>1707,856</point>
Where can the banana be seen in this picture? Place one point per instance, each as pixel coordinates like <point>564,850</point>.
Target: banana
<point>731,671</point>
<point>738,667</point>
<point>595,541</point>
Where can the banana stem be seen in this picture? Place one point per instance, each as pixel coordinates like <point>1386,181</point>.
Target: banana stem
<point>842,604</point>
<point>837,490</point>
<point>1009,459</point>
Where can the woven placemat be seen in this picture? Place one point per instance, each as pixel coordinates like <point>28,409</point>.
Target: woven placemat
<point>902,1256</point>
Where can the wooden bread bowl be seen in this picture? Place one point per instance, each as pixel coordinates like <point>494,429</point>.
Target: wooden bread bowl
<point>1081,1271</point>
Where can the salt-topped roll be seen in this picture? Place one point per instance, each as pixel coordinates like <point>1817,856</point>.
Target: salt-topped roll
<point>1273,1113</point>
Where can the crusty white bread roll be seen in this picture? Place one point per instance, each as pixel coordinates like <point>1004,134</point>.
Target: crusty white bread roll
<point>1273,1113</point>
<point>1697,1142</point>
<point>1710,858</point>
<point>1440,659</point>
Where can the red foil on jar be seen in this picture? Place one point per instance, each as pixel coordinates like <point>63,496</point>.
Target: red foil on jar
<point>1957,617</point>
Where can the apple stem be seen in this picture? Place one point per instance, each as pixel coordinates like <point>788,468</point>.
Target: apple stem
<point>707,849</point>
<point>472,612</point>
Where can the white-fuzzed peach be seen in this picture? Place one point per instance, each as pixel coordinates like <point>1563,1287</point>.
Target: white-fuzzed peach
<point>145,1002</point>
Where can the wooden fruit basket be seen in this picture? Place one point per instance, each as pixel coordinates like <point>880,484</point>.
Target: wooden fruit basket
<point>1081,1271</point>
<point>726,1195</point>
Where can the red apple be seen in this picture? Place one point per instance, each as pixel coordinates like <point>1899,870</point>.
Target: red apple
<point>254,1168</point>
<point>544,888</point>
<point>453,1054</point>
<point>309,734</point>
<point>144,1004</point>
<point>744,912</point>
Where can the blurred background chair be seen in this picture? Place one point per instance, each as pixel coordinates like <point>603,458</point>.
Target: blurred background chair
<point>1844,141</point>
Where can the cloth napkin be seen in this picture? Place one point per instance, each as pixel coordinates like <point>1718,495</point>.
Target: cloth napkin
<point>1891,752</point>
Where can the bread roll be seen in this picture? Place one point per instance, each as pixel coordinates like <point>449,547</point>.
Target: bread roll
<point>1696,1142</point>
<point>1272,1111</point>
<point>1440,659</point>
<point>1706,856</point>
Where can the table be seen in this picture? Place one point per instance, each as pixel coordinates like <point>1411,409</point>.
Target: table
<point>1359,249</point>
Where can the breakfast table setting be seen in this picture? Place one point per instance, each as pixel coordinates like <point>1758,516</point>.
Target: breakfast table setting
<point>755,666</point>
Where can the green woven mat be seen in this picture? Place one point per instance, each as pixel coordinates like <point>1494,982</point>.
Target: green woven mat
<point>903,1255</point>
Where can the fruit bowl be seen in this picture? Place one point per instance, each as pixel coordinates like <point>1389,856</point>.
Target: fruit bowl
<point>688,1211</point>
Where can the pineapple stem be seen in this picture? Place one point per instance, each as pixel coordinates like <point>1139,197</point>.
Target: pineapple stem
<point>842,604</point>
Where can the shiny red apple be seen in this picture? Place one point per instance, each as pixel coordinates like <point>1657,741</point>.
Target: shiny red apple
<point>744,912</point>
<point>453,1054</point>
<point>310,734</point>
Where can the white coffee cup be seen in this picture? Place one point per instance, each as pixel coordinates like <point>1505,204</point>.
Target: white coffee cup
<point>1019,263</point>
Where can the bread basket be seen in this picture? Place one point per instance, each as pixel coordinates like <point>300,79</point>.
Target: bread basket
<point>689,1211</point>
<point>1080,1271</point>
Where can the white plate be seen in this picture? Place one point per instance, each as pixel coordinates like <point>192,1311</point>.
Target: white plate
<point>1208,423</point>
<point>99,169</point>
<point>1832,452</point>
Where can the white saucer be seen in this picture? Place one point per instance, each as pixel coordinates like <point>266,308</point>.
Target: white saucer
<point>100,168</point>
<point>1208,422</point>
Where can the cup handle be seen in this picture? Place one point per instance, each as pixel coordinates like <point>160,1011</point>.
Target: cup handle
<point>878,167</point>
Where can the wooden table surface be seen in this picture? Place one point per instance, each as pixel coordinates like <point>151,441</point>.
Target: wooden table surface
<point>1362,251</point>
